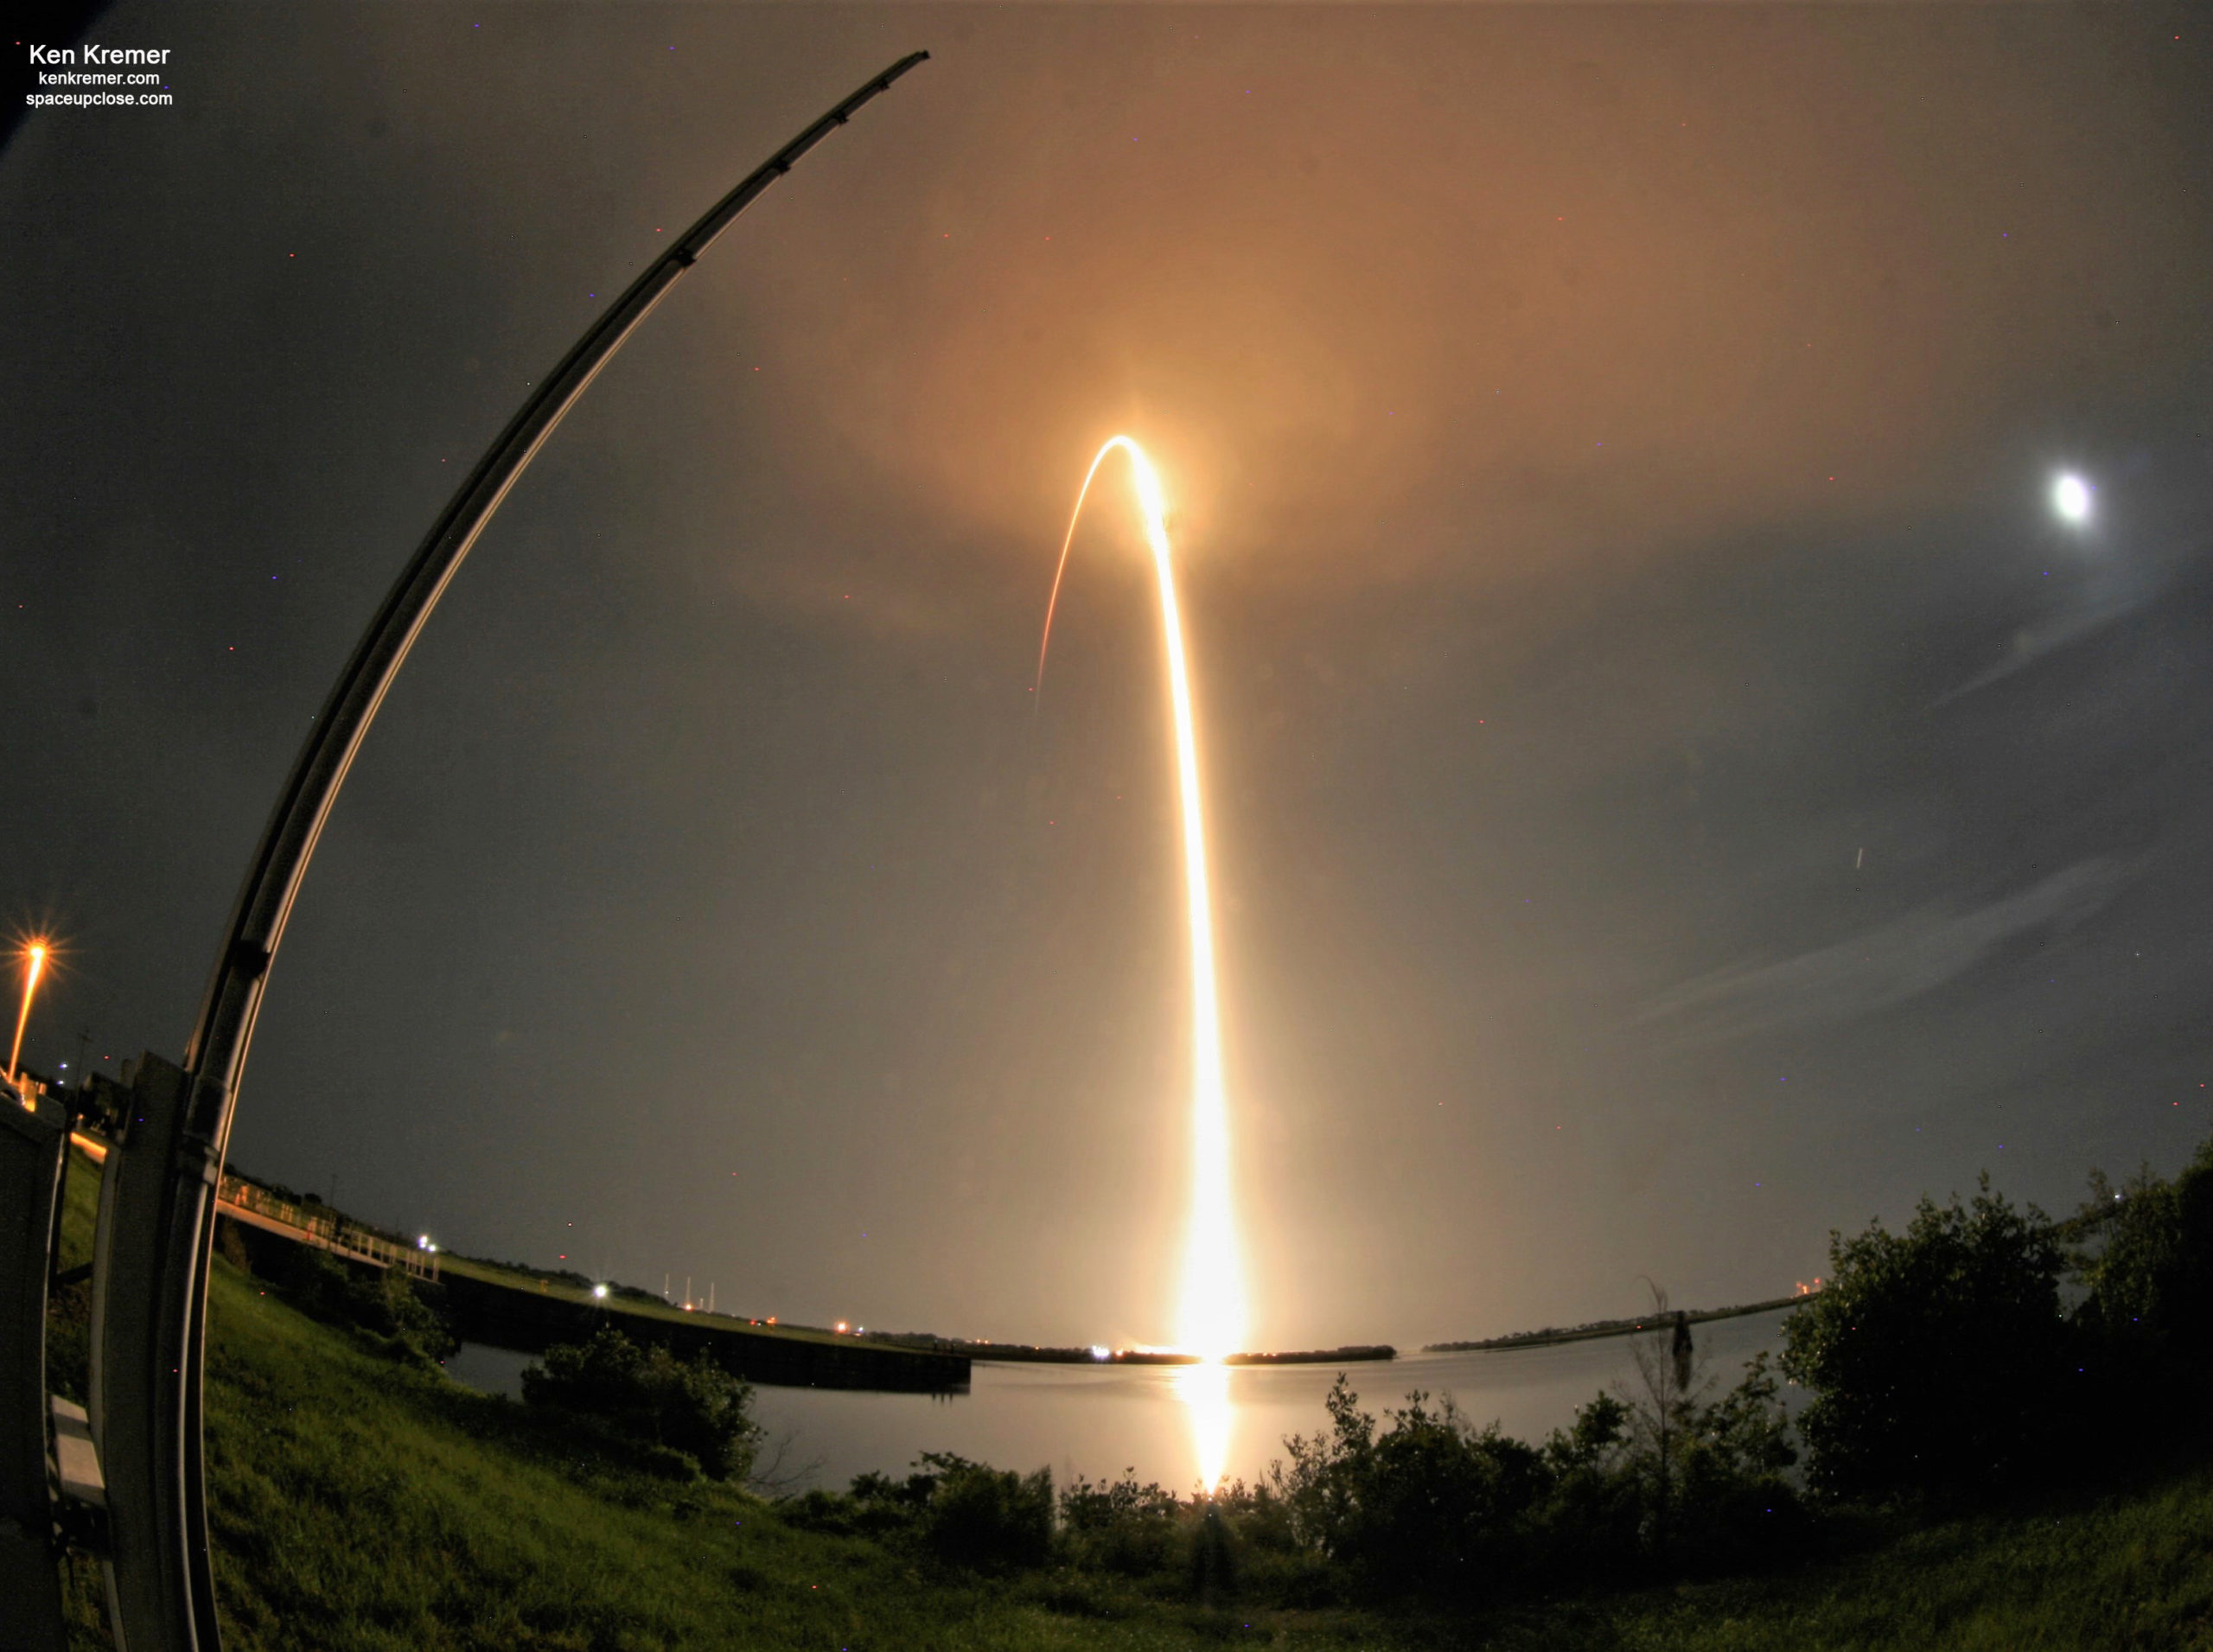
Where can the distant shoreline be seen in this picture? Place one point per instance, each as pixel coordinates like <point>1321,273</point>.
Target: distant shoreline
<point>1025,1354</point>
<point>1597,1328</point>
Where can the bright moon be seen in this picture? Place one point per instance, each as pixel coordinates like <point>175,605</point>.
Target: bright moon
<point>2070,497</point>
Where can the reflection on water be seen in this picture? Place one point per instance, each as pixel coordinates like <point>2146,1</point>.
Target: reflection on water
<point>487,1369</point>
<point>1161,1422</point>
<point>1204,1390</point>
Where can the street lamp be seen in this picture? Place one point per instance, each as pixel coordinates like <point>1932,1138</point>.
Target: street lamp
<point>150,1358</point>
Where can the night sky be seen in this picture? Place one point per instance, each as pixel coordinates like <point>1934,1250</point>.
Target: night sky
<point>1677,787</point>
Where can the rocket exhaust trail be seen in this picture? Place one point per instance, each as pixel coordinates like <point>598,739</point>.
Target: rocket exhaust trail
<point>1211,1314</point>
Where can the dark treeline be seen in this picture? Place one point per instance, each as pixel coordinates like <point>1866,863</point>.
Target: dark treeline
<point>693,1408</point>
<point>1946,1369</point>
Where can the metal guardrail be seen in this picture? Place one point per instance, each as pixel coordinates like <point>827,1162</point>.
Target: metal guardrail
<point>158,1202</point>
<point>31,1138</point>
<point>322,1227</point>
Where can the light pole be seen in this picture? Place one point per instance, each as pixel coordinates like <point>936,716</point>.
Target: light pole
<point>150,1287</point>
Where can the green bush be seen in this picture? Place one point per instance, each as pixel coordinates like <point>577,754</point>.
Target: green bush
<point>1592,1524</point>
<point>1938,1357</point>
<point>987,1519</point>
<point>1121,1526</point>
<point>966,1515</point>
<point>400,1317</point>
<point>1733,1504</point>
<point>697,1408</point>
<point>1431,1507</point>
<point>2149,1311</point>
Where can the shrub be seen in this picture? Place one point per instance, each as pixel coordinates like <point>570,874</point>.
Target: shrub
<point>1212,1564</point>
<point>1431,1506</point>
<point>1733,1505</point>
<point>1935,1356</point>
<point>1260,1515</point>
<point>697,1408</point>
<point>985,1519</point>
<point>1591,1526</point>
<point>2151,1282</point>
<point>964,1514</point>
<point>1120,1525</point>
<point>400,1317</point>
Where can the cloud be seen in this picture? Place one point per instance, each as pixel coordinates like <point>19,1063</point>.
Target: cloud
<point>2033,643</point>
<point>1884,967</point>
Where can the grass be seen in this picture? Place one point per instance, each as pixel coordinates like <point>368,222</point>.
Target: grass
<point>358,1504</point>
<point>2133,1570</point>
<point>563,1289</point>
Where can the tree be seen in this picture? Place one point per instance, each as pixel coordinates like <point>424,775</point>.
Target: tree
<point>984,1519</point>
<point>1936,1356</point>
<point>1429,1506</point>
<point>2147,1317</point>
<point>697,1408</point>
<point>1665,1409</point>
<point>1711,1473</point>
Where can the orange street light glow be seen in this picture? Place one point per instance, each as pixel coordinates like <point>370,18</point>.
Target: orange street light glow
<point>1211,1315</point>
<point>34,966</point>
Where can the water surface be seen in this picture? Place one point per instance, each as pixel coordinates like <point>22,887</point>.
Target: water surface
<point>1096,1421</point>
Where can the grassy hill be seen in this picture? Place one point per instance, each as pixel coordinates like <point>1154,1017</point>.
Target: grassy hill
<point>359,1503</point>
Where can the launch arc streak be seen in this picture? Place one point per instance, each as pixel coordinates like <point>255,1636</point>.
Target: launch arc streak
<point>1211,1314</point>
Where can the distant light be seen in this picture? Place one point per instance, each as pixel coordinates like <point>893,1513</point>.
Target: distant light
<point>2070,497</point>
<point>422,1243</point>
<point>1097,1352</point>
<point>841,1324</point>
<point>599,1290</point>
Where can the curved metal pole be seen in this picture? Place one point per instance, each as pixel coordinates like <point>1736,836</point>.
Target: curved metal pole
<point>217,1054</point>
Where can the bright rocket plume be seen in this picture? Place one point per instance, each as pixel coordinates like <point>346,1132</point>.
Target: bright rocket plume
<point>1210,1320</point>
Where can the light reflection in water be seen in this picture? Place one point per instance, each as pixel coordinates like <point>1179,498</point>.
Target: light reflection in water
<point>1204,1390</point>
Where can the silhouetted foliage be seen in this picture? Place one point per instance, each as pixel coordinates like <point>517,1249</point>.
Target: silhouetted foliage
<point>1711,1477</point>
<point>964,1514</point>
<point>1732,1501</point>
<point>698,1408</point>
<point>1422,1506</point>
<point>1432,1506</point>
<point>1120,1525</point>
<point>1938,1357</point>
<point>2150,1301</point>
<point>402,1317</point>
<point>987,1519</point>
